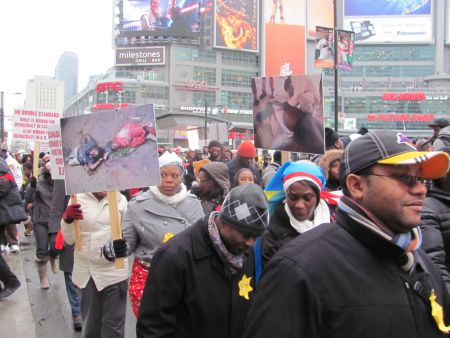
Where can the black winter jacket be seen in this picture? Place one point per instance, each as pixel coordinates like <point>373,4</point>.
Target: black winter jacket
<point>11,208</point>
<point>189,294</point>
<point>341,280</point>
<point>436,230</point>
<point>278,233</point>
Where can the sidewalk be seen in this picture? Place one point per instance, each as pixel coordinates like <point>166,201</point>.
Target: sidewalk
<point>16,318</point>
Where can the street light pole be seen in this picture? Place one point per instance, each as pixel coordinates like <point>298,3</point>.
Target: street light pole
<point>2,118</point>
<point>206,122</point>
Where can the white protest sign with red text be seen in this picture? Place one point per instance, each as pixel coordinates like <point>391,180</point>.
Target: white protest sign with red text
<point>56,151</point>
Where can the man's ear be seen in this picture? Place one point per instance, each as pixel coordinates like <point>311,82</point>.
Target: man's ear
<point>355,185</point>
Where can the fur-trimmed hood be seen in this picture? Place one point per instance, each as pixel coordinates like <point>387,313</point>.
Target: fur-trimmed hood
<point>328,158</point>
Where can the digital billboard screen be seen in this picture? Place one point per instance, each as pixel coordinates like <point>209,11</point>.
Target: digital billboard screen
<point>319,13</point>
<point>284,36</point>
<point>387,21</point>
<point>159,18</point>
<point>236,24</point>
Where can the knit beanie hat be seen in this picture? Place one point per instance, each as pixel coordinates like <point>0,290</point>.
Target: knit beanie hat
<point>247,149</point>
<point>331,137</point>
<point>245,208</point>
<point>169,158</point>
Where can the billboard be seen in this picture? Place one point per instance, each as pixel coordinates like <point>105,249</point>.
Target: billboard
<point>345,49</point>
<point>319,13</point>
<point>159,18</point>
<point>324,48</point>
<point>387,21</point>
<point>285,37</point>
<point>145,56</point>
<point>236,24</point>
<point>288,113</point>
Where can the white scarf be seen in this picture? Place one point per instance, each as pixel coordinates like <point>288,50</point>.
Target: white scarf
<point>321,215</point>
<point>171,200</point>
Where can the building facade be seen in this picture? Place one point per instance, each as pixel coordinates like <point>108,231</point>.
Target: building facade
<point>44,92</point>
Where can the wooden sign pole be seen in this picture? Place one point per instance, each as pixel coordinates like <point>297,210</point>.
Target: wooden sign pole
<point>114,218</point>
<point>76,226</point>
<point>36,159</point>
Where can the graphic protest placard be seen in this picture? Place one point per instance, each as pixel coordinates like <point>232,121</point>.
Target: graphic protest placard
<point>31,125</point>
<point>56,152</point>
<point>288,113</point>
<point>110,150</point>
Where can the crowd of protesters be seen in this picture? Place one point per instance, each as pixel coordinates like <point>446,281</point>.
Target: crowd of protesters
<point>350,243</point>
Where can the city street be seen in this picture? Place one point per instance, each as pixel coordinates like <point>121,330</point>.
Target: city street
<point>32,312</point>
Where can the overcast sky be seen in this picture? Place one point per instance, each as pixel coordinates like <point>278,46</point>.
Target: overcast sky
<point>34,33</point>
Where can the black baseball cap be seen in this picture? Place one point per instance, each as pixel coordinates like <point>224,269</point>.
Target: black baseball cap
<point>439,122</point>
<point>391,148</point>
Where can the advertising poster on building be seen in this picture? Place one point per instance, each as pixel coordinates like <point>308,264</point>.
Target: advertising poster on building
<point>387,21</point>
<point>346,47</point>
<point>288,113</point>
<point>55,151</point>
<point>324,48</point>
<point>159,18</point>
<point>110,150</point>
<point>285,37</point>
<point>319,13</point>
<point>236,24</point>
<point>31,125</point>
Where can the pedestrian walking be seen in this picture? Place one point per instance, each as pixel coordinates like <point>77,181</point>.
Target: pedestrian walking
<point>11,212</point>
<point>103,287</point>
<point>201,284</point>
<point>154,218</point>
<point>364,275</point>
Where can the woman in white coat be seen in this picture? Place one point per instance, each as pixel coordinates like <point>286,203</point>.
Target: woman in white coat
<point>103,287</point>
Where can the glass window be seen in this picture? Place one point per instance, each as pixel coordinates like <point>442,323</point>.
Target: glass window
<point>239,58</point>
<point>154,92</point>
<point>203,55</point>
<point>183,54</point>
<point>237,78</point>
<point>199,99</point>
<point>205,74</point>
<point>236,100</point>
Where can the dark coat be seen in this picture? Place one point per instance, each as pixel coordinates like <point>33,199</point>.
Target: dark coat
<point>41,197</point>
<point>278,233</point>
<point>57,208</point>
<point>11,208</point>
<point>189,294</point>
<point>234,166</point>
<point>436,230</point>
<point>342,280</point>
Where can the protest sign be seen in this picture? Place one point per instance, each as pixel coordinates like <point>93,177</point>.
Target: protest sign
<point>288,113</point>
<point>110,150</point>
<point>30,125</point>
<point>56,152</point>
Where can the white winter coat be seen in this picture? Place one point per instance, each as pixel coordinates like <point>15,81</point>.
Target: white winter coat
<point>95,231</point>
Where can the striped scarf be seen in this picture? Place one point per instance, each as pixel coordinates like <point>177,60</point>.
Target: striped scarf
<point>409,241</point>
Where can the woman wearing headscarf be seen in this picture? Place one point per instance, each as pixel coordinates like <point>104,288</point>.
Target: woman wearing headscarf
<point>296,204</point>
<point>154,218</point>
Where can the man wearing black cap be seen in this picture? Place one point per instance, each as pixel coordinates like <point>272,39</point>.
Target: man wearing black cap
<point>201,284</point>
<point>332,140</point>
<point>364,275</point>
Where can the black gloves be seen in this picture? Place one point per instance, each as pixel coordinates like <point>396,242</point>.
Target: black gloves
<point>33,182</point>
<point>53,252</point>
<point>115,248</point>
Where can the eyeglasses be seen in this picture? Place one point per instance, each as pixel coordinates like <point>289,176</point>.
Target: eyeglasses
<point>408,180</point>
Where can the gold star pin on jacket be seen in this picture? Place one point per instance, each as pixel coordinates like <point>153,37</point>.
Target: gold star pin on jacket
<point>245,287</point>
